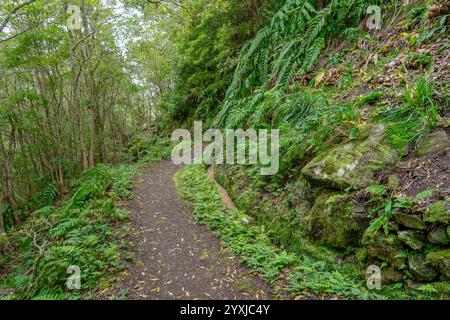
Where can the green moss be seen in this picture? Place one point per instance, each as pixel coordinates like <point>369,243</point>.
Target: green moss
<point>383,247</point>
<point>441,261</point>
<point>336,221</point>
<point>368,99</point>
<point>280,210</point>
<point>432,143</point>
<point>362,254</point>
<point>438,212</point>
<point>353,164</point>
<point>400,134</point>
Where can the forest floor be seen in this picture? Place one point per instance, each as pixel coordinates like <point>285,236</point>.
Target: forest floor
<point>174,257</point>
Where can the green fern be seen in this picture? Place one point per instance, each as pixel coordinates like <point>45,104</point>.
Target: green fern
<point>312,54</point>
<point>289,45</point>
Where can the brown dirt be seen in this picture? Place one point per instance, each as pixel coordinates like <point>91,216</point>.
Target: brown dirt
<point>175,258</point>
<point>419,174</point>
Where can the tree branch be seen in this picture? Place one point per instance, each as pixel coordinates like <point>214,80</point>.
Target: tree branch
<point>176,4</point>
<point>13,11</point>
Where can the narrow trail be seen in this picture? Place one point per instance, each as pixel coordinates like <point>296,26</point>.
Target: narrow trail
<point>176,258</point>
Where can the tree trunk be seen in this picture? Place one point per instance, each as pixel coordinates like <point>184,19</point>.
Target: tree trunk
<point>9,192</point>
<point>75,102</point>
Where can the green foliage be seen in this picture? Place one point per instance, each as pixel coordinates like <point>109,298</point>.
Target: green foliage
<point>419,60</point>
<point>376,189</point>
<point>289,45</point>
<point>249,241</point>
<point>70,100</point>
<point>368,99</point>
<point>45,197</point>
<point>406,122</point>
<point>313,269</point>
<point>207,44</point>
<point>80,232</point>
<point>383,219</point>
<point>148,150</point>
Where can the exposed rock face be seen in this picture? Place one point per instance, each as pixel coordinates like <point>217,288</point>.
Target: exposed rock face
<point>336,221</point>
<point>410,221</point>
<point>432,143</point>
<point>351,165</point>
<point>441,261</point>
<point>421,269</point>
<point>412,239</point>
<point>384,247</point>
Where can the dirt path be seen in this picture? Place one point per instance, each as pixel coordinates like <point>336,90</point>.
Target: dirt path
<point>175,257</point>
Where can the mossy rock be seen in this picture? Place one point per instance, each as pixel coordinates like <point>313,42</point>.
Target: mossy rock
<point>438,236</point>
<point>383,247</point>
<point>421,269</point>
<point>336,221</point>
<point>441,261</point>
<point>390,275</point>
<point>412,239</point>
<point>410,221</point>
<point>432,143</point>
<point>351,165</point>
<point>438,212</point>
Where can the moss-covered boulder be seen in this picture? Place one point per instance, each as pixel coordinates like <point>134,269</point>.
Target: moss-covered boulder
<point>412,239</point>
<point>421,269</point>
<point>384,247</point>
<point>432,143</point>
<point>438,212</point>
<point>351,165</point>
<point>441,261</point>
<point>439,236</point>
<point>410,221</point>
<point>390,275</point>
<point>336,221</point>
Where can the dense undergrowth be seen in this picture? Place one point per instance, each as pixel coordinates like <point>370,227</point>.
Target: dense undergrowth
<point>325,88</point>
<point>81,231</point>
<point>85,229</point>
<point>311,69</point>
<point>309,271</point>
<point>250,242</point>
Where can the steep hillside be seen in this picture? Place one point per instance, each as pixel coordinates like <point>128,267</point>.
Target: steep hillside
<point>363,117</point>
<point>91,92</point>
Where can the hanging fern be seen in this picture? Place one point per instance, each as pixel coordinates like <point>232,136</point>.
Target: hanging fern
<point>316,24</point>
<point>312,54</point>
<point>289,45</point>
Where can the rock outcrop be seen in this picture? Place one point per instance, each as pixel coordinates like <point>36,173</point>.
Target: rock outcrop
<point>353,164</point>
<point>432,143</point>
<point>337,221</point>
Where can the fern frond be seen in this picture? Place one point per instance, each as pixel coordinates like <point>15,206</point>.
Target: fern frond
<point>312,54</point>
